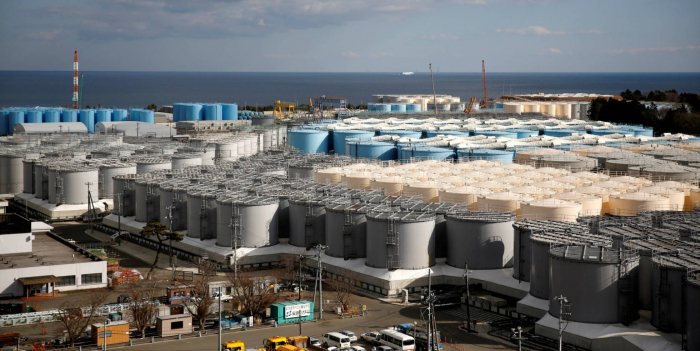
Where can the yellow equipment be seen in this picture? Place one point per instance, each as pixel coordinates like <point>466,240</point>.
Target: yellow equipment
<point>236,345</point>
<point>284,110</point>
<point>273,343</point>
<point>289,348</point>
<point>468,110</point>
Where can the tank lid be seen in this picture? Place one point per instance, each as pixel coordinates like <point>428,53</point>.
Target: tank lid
<point>679,259</point>
<point>591,254</point>
<point>439,208</point>
<point>402,216</point>
<point>571,237</point>
<point>481,216</point>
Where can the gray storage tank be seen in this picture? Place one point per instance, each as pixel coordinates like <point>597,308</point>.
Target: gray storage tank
<point>647,248</point>
<point>147,200</point>
<point>150,164</point>
<point>598,282</point>
<point>125,195</point>
<point>182,161</point>
<point>346,229</point>
<point>108,171</point>
<point>400,240</point>
<point>440,210</point>
<point>28,175</point>
<point>41,180</point>
<point>173,204</point>
<point>692,306</point>
<point>482,240</point>
<point>252,219</point>
<point>201,212</point>
<point>668,274</point>
<point>307,220</point>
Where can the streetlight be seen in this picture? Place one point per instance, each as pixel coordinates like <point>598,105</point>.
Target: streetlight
<point>563,302</point>
<point>517,335</point>
<point>466,275</point>
<point>107,321</point>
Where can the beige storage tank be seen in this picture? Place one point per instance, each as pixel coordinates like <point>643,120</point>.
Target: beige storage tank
<point>554,186</point>
<point>695,198</point>
<point>502,202</point>
<point>535,176</point>
<point>575,181</point>
<point>393,186</point>
<point>494,186</point>
<point>631,204</point>
<point>685,187</point>
<point>525,156</point>
<point>595,177</point>
<point>620,187</point>
<point>603,193</point>
<point>515,181</point>
<point>478,176</point>
<point>549,110</point>
<point>676,198</point>
<point>563,110</point>
<point>554,172</point>
<point>535,192</point>
<point>429,190</point>
<point>466,195</point>
<point>591,205</point>
<point>637,182</point>
<point>332,175</point>
<point>551,210</point>
<point>359,180</point>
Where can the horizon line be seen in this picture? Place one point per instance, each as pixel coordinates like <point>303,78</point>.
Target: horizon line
<point>374,72</point>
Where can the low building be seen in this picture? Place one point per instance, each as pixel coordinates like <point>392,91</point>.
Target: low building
<point>36,262</point>
<point>114,333</point>
<point>174,324</point>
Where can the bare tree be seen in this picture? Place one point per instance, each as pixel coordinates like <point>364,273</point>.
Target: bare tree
<point>143,309</point>
<point>255,293</point>
<point>75,315</point>
<point>199,305</point>
<point>289,270</point>
<point>342,288</point>
<point>161,233</point>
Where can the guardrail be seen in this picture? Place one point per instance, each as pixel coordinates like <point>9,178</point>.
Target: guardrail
<point>54,314</point>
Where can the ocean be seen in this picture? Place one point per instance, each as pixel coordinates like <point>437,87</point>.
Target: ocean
<point>139,89</point>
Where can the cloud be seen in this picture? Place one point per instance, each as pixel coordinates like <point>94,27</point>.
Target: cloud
<point>351,54</point>
<point>554,51</point>
<point>440,36</point>
<point>44,35</point>
<point>531,30</point>
<point>635,51</point>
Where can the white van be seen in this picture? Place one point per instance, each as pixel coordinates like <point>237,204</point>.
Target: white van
<point>396,340</point>
<point>335,339</point>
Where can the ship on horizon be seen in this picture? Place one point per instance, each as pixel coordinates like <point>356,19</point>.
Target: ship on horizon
<point>406,73</point>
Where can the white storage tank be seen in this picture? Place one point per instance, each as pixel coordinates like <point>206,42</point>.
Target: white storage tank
<point>201,212</point>
<point>108,171</point>
<point>481,240</point>
<point>70,183</point>
<point>182,161</point>
<point>150,164</point>
<point>400,240</point>
<point>253,219</point>
<point>226,151</point>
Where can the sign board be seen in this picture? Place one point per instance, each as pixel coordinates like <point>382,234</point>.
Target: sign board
<point>294,311</point>
<point>109,334</point>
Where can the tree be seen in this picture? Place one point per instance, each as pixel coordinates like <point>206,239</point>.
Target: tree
<point>199,305</point>
<point>152,107</point>
<point>161,233</point>
<point>342,288</point>
<point>255,293</point>
<point>143,311</point>
<point>75,315</point>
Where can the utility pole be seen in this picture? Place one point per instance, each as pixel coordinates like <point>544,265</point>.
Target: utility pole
<point>319,278</point>
<point>301,257</point>
<point>563,302</point>
<point>119,216</point>
<point>89,215</point>
<point>219,318</point>
<point>170,219</point>
<point>466,275</point>
<point>518,335</point>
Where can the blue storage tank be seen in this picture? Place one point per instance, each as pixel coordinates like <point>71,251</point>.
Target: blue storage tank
<point>427,153</point>
<point>193,112</point>
<point>415,134</point>
<point>52,115</point>
<point>413,108</point>
<point>119,115</point>
<point>229,112</point>
<point>147,116</point>
<point>103,115</point>
<point>524,133</point>
<point>34,116</point>
<point>69,116</point>
<point>611,131</point>
<point>398,107</point>
<point>502,156</point>
<point>374,150</point>
<point>87,117</point>
<point>135,115</point>
<point>561,132</point>
<point>15,116</point>
<point>176,112</point>
<point>340,138</point>
<point>640,131</point>
<point>497,133</point>
<point>308,141</point>
<point>212,112</point>
<point>3,121</point>
<point>433,133</point>
<point>378,107</point>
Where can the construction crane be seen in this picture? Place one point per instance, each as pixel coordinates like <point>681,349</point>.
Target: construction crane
<point>483,78</point>
<point>317,106</point>
<point>284,110</point>
<point>468,110</point>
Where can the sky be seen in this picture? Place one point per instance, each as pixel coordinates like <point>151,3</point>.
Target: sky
<point>351,35</point>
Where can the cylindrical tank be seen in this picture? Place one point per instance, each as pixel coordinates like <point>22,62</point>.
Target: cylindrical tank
<point>595,282</point>
<point>373,150</point>
<point>41,181</point>
<point>15,116</point>
<point>103,115</point>
<point>125,185</point>
<point>69,116</point>
<point>253,219</point>
<point>87,117</point>
<point>227,151</point>
<point>400,240</point>
<point>346,230</point>
<point>182,161</point>
<point>308,141</point>
<point>173,204</point>
<point>331,175</point>
<point>502,202</point>
<point>667,278</point>
<point>392,186</point>
<point>676,198</point>
<point>466,195</point>
<point>12,173</point>
<point>300,171</point>
<point>119,115</point>
<point>52,116</point>
<point>72,187</point>
<point>692,306</point>
<point>630,204</point>
<point>551,210</point>
<point>193,112</point>
<point>340,136</point>
<point>107,172</point>
<point>591,205</point>
<point>201,214</point>
<point>501,156</point>
<point>481,240</point>
<point>307,221</point>
<point>28,176</point>
<point>229,112</point>
<point>147,200</point>
<point>212,112</point>
<point>147,116</point>
<point>34,116</point>
<point>147,165</point>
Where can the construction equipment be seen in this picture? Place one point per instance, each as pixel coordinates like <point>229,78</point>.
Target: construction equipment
<point>468,110</point>
<point>483,78</point>
<point>284,110</point>
<point>273,343</point>
<point>235,345</point>
<point>317,106</point>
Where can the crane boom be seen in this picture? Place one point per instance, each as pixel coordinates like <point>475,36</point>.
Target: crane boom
<point>483,78</point>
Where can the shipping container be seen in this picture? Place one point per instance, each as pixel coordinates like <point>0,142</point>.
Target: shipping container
<point>117,333</point>
<point>174,325</point>
<point>290,312</point>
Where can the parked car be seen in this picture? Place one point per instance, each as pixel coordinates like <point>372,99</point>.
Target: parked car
<point>370,337</point>
<point>384,348</point>
<point>315,342</point>
<point>357,348</point>
<point>349,334</point>
<point>224,297</point>
<point>332,348</point>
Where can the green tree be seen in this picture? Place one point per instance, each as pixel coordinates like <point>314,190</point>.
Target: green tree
<point>160,232</point>
<point>152,107</point>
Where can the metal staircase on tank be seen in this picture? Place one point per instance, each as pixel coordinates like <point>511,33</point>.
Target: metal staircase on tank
<point>392,245</point>
<point>626,289</point>
<point>308,226</point>
<point>348,247</point>
<point>59,191</point>
<point>150,194</point>
<point>663,294</point>
<point>203,215</point>
<point>235,225</point>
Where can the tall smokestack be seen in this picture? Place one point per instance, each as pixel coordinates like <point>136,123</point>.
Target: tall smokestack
<point>75,81</point>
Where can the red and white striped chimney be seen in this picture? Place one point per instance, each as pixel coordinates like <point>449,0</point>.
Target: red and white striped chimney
<point>75,81</point>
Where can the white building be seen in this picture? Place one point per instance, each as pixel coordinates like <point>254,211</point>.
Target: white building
<point>36,262</point>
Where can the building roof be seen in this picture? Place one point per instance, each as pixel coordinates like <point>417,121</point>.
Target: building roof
<point>14,224</point>
<point>47,250</point>
<point>51,127</point>
<point>39,280</point>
